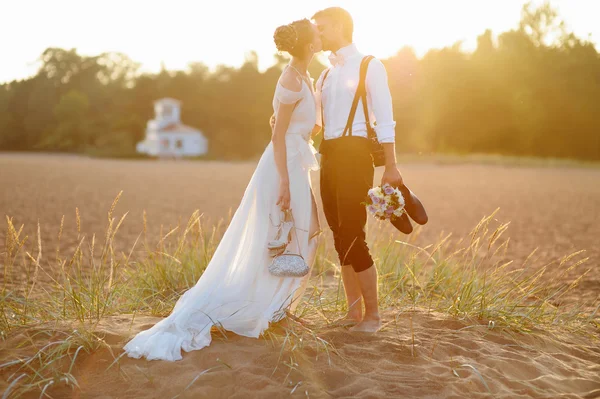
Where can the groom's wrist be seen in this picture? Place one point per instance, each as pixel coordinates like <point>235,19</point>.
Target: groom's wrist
<point>390,155</point>
<point>390,168</point>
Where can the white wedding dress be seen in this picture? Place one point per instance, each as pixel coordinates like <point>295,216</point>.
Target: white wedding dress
<point>236,291</point>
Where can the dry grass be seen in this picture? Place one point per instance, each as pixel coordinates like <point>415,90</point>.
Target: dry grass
<point>466,280</point>
<point>552,209</point>
<point>60,280</point>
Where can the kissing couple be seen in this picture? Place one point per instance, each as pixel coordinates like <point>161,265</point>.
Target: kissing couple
<point>240,291</point>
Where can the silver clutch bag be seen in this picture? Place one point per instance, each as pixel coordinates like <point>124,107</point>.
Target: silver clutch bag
<point>286,263</point>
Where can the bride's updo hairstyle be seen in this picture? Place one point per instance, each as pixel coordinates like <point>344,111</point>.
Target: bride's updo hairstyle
<point>294,37</point>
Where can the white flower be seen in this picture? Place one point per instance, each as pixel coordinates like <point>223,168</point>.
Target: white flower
<point>381,206</point>
<point>400,197</point>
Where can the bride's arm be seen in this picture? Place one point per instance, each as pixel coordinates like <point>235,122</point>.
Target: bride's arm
<point>282,121</point>
<point>288,97</point>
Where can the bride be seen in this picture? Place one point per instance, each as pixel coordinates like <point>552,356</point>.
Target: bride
<point>236,291</point>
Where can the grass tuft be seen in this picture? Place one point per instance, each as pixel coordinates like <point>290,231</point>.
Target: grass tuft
<point>469,278</point>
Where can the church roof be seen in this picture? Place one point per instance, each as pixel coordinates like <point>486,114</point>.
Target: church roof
<point>178,128</point>
<point>167,100</point>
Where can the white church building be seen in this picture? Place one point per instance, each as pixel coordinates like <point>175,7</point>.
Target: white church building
<point>166,136</point>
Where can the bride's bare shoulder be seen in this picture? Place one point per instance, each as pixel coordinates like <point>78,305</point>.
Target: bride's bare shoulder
<point>290,80</point>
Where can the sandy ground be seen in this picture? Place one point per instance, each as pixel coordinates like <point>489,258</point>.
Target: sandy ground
<point>416,355</point>
<point>556,210</point>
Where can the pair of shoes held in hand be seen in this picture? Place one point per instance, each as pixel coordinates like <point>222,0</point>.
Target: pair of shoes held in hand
<point>413,208</point>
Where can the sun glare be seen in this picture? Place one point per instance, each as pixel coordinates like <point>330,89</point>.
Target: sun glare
<point>383,28</point>
<point>224,32</point>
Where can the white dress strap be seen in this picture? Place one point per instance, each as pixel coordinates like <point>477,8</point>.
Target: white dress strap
<point>294,68</point>
<point>287,96</point>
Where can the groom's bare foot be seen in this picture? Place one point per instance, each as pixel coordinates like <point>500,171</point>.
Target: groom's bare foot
<point>369,324</point>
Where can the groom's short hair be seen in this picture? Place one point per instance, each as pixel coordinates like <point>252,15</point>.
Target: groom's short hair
<point>341,16</point>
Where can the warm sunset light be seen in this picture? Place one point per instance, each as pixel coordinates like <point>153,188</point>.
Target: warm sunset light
<point>178,32</point>
<point>226,199</point>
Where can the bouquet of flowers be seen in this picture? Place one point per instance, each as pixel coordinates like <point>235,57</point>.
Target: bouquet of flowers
<point>385,202</point>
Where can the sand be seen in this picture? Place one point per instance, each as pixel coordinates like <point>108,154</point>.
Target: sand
<point>437,358</point>
<point>553,209</point>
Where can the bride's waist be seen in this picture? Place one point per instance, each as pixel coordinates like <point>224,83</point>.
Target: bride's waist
<point>290,136</point>
<point>299,146</point>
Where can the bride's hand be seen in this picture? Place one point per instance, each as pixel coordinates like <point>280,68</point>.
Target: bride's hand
<point>284,196</point>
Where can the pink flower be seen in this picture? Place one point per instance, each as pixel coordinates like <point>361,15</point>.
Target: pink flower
<point>388,190</point>
<point>372,209</point>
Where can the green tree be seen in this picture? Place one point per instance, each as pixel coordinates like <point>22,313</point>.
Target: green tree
<point>73,128</point>
<point>533,90</point>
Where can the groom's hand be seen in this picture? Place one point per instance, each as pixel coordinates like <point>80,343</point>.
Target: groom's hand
<point>392,176</point>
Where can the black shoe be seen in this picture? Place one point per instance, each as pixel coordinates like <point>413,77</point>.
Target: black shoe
<point>403,224</point>
<point>413,206</point>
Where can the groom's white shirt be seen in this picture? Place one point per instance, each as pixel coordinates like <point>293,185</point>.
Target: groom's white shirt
<point>339,90</point>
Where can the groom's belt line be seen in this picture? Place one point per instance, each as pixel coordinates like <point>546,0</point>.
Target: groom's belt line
<point>345,143</point>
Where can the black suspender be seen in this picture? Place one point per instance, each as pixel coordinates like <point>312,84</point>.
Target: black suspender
<point>361,94</point>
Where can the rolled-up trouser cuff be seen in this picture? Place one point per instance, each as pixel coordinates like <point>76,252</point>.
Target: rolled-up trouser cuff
<point>353,250</point>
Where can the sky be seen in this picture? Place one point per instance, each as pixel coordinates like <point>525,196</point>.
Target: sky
<point>176,32</point>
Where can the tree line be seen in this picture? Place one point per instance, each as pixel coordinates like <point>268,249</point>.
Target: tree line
<point>530,91</point>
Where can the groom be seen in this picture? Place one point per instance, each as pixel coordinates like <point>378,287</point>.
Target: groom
<point>346,164</point>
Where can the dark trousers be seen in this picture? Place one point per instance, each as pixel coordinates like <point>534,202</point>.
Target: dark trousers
<point>346,177</point>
